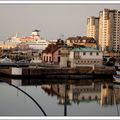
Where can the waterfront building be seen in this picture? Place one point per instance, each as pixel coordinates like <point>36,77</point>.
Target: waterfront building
<point>109,30</point>
<point>93,27</point>
<point>51,54</point>
<point>64,57</point>
<point>16,55</point>
<point>7,46</point>
<point>36,56</point>
<point>81,41</point>
<point>84,56</point>
<point>11,42</point>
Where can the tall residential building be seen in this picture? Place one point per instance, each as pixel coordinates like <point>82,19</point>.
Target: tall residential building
<point>109,30</point>
<point>93,27</point>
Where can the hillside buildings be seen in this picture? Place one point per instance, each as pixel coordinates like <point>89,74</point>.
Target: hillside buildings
<point>109,29</point>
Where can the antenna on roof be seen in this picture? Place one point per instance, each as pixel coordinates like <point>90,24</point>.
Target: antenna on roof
<point>61,36</point>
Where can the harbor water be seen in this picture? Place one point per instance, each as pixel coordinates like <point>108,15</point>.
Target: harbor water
<point>84,97</point>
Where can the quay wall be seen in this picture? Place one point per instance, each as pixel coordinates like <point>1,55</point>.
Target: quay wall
<point>6,71</point>
<point>81,72</point>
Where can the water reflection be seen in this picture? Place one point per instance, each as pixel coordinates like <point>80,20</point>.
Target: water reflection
<point>100,93</point>
<point>76,91</point>
<point>81,92</point>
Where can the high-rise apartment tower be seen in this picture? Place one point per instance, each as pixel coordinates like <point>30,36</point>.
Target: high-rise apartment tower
<point>93,27</point>
<point>109,30</point>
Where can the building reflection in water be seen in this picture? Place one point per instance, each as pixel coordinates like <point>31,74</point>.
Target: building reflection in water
<point>85,91</point>
<point>77,92</point>
<point>104,93</point>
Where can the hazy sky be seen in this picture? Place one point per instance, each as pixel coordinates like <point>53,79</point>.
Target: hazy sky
<point>52,20</point>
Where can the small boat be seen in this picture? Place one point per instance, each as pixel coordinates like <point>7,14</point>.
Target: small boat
<point>117,77</point>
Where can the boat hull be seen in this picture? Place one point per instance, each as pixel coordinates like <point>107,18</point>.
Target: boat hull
<point>116,79</point>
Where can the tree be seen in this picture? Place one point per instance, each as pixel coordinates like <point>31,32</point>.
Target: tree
<point>60,42</point>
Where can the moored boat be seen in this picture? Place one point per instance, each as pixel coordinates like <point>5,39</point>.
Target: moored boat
<point>116,78</point>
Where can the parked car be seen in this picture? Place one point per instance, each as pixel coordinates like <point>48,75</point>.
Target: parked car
<point>22,62</point>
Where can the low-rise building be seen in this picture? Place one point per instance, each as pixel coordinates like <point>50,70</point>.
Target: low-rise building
<point>85,56</point>
<point>51,54</point>
<point>84,41</point>
<point>82,56</point>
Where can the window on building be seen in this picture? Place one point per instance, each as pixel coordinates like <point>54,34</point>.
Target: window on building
<point>84,53</point>
<point>90,53</point>
<point>47,59</point>
<point>44,58</point>
<point>96,97</point>
<point>59,52</point>
<point>50,59</point>
<point>76,54</point>
<point>97,53</point>
<point>76,41</point>
<point>83,97</point>
<point>89,97</point>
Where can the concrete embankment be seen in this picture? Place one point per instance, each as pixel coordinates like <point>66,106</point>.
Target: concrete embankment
<point>58,73</point>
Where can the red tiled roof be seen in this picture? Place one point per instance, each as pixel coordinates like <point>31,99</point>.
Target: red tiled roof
<point>51,48</point>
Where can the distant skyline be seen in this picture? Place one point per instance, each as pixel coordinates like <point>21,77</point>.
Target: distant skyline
<point>51,20</point>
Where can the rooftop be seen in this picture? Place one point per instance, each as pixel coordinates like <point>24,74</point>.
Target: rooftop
<point>83,39</point>
<point>85,49</point>
<point>51,48</point>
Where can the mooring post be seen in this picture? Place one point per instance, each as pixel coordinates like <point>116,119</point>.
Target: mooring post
<point>65,103</point>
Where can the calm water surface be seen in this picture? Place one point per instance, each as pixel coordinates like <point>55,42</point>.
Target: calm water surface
<point>83,98</point>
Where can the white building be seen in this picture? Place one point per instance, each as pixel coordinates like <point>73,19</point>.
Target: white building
<point>85,56</point>
<point>82,56</point>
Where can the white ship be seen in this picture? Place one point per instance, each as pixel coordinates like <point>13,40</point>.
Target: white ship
<point>34,41</point>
